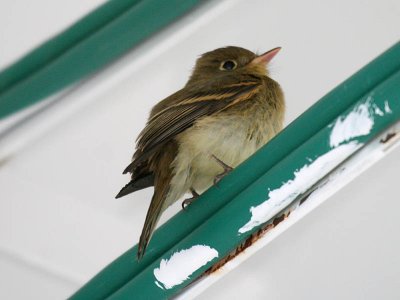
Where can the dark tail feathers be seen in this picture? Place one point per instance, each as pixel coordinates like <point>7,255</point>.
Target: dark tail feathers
<point>136,184</point>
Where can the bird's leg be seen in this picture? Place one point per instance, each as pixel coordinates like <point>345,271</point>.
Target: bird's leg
<point>188,201</point>
<point>226,168</point>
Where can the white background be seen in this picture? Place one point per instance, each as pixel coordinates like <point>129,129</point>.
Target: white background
<point>59,172</point>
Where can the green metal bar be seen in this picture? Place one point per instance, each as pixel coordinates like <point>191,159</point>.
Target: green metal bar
<point>223,233</point>
<point>55,47</point>
<point>74,56</point>
<point>125,267</point>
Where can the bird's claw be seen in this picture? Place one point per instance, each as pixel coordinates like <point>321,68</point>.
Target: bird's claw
<point>218,177</point>
<point>188,201</point>
<point>226,168</point>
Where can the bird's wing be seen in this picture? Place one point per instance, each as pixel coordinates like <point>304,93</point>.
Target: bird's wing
<point>172,120</point>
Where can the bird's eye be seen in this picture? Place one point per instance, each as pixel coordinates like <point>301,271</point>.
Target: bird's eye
<point>228,65</point>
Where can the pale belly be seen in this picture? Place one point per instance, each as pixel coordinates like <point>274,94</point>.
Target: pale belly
<point>230,138</point>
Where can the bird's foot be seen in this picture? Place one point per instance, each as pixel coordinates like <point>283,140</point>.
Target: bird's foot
<point>188,201</point>
<point>226,168</point>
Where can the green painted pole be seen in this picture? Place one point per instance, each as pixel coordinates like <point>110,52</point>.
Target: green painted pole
<point>57,46</point>
<point>73,56</point>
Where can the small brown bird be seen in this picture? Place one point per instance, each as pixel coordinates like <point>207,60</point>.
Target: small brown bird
<point>227,110</point>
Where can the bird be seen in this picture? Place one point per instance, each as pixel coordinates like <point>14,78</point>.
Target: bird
<point>227,110</point>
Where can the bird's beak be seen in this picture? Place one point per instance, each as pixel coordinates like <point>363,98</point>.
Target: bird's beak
<point>265,58</point>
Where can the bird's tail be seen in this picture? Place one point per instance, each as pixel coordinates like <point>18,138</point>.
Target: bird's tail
<point>136,184</point>
<point>157,206</point>
<point>161,164</point>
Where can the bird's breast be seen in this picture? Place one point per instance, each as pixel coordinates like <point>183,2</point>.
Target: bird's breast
<point>232,136</point>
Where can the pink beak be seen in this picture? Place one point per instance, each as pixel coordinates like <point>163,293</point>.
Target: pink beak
<point>266,57</point>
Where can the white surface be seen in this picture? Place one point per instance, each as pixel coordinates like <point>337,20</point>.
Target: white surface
<point>58,215</point>
<point>22,280</point>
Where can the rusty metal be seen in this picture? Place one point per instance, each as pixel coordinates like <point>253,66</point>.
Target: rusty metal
<point>388,137</point>
<point>248,242</point>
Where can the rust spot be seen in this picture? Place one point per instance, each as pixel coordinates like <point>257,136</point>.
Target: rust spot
<point>248,242</point>
<point>279,219</point>
<point>388,137</point>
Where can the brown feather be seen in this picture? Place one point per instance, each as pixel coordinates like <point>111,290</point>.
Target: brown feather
<point>160,163</point>
<point>172,120</point>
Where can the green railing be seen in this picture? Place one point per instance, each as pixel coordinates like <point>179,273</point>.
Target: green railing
<point>89,45</point>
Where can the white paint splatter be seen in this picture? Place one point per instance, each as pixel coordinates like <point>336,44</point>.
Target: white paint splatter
<point>279,198</point>
<point>182,264</point>
<point>387,108</point>
<point>378,111</point>
<point>358,122</point>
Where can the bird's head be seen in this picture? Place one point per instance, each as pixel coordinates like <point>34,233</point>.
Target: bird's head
<point>231,60</point>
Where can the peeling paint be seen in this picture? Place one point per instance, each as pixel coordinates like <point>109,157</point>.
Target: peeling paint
<point>378,111</point>
<point>358,122</point>
<point>387,108</point>
<point>182,264</point>
<point>279,198</point>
